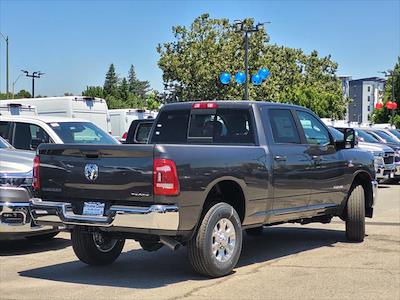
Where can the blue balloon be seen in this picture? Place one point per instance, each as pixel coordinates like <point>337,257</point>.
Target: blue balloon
<point>240,77</point>
<point>256,79</point>
<point>225,78</point>
<point>263,73</point>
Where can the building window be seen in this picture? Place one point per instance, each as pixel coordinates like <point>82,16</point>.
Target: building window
<point>369,108</point>
<point>369,98</point>
<point>369,88</point>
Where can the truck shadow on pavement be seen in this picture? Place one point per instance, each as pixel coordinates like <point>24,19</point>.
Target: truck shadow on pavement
<point>146,270</point>
<point>29,246</point>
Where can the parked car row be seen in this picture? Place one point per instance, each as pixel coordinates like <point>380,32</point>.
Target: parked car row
<point>383,143</point>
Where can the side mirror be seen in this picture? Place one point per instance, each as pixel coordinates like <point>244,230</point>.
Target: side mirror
<point>349,140</point>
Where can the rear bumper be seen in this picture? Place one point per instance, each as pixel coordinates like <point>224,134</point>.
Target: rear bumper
<point>159,217</point>
<point>15,218</point>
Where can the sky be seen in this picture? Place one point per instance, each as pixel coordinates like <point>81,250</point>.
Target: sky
<point>74,42</point>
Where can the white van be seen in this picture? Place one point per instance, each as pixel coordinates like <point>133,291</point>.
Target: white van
<point>121,119</point>
<point>91,109</point>
<point>17,109</point>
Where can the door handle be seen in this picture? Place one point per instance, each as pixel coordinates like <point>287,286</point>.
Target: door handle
<point>280,158</point>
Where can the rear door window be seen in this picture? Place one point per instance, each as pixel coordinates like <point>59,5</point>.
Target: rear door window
<point>29,136</point>
<point>4,129</point>
<point>283,126</point>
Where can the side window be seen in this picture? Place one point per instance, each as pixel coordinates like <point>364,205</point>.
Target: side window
<point>315,132</point>
<point>283,126</point>
<point>4,129</point>
<point>29,136</point>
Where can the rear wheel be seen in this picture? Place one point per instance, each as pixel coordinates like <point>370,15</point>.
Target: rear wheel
<point>96,248</point>
<point>355,219</point>
<point>215,249</point>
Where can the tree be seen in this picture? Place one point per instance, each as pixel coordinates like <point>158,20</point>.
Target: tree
<point>125,93</point>
<point>22,94</point>
<point>383,115</point>
<point>137,87</point>
<point>94,91</point>
<point>124,90</point>
<point>152,101</point>
<point>193,61</point>
<point>111,82</point>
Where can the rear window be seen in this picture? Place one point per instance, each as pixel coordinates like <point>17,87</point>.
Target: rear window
<point>81,133</point>
<point>221,126</point>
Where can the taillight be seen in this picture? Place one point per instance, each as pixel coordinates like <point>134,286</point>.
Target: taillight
<point>205,105</point>
<point>36,177</point>
<point>124,136</point>
<point>165,177</point>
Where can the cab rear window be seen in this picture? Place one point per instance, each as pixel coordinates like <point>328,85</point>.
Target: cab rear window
<point>220,126</point>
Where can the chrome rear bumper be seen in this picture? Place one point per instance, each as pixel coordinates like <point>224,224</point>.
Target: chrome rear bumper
<point>15,217</point>
<point>161,217</point>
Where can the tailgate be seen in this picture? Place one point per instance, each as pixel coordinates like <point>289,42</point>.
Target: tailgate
<point>116,174</point>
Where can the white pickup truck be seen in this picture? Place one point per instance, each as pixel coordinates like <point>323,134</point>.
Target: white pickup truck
<point>28,132</point>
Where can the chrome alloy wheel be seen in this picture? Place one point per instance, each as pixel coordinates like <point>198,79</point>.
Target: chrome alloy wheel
<point>223,240</point>
<point>103,243</point>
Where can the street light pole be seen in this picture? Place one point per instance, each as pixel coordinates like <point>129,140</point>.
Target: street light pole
<point>34,75</point>
<point>246,65</point>
<point>242,28</point>
<point>13,85</point>
<point>7,64</point>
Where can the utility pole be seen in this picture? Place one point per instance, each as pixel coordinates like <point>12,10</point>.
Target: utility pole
<point>34,75</point>
<point>7,64</point>
<point>241,27</point>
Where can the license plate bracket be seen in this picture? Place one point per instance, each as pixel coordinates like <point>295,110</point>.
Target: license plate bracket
<point>93,208</point>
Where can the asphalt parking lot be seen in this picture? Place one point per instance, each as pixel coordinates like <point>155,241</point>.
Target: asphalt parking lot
<point>287,262</point>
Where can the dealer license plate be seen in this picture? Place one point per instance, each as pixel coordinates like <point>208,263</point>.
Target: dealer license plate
<point>93,208</point>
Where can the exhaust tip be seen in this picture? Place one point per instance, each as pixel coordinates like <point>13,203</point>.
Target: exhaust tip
<point>170,243</point>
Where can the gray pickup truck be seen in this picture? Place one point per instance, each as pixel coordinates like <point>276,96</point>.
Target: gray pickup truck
<point>209,170</point>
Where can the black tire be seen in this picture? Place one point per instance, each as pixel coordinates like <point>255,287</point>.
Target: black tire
<point>150,246</point>
<point>201,255</point>
<point>256,231</point>
<point>355,215</point>
<point>88,251</point>
<point>43,237</point>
